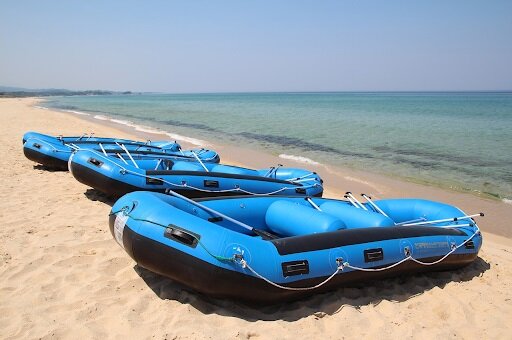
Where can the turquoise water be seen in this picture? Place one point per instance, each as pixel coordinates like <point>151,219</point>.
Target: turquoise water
<point>455,140</point>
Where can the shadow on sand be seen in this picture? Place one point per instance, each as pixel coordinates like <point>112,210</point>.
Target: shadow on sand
<point>48,168</point>
<point>397,289</point>
<point>96,195</point>
<point>371,293</point>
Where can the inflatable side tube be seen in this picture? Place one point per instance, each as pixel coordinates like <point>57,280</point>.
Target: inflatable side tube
<point>99,181</point>
<point>111,186</point>
<point>211,280</point>
<point>32,134</point>
<point>42,154</point>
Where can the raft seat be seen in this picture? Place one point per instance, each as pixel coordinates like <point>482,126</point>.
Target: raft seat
<point>354,217</point>
<point>291,219</point>
<point>186,166</point>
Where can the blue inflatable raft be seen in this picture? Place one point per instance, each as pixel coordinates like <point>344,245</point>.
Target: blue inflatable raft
<point>117,175</point>
<point>91,139</point>
<point>269,249</point>
<point>54,152</point>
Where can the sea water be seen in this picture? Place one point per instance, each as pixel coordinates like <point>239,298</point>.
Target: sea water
<point>461,141</point>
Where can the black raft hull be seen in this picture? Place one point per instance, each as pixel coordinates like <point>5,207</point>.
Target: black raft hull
<point>45,159</point>
<point>113,187</point>
<point>205,278</point>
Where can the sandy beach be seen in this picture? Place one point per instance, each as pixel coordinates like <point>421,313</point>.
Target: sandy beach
<point>63,276</point>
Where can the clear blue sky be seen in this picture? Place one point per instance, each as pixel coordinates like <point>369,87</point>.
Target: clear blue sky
<point>219,46</point>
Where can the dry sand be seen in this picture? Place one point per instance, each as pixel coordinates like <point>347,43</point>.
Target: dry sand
<point>62,275</point>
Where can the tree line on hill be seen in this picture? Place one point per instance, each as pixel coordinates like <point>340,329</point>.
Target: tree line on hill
<point>21,93</point>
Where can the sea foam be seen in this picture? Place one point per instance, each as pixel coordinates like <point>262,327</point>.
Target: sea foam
<point>507,201</point>
<point>190,140</point>
<point>123,122</point>
<point>77,112</point>
<point>141,128</point>
<point>299,159</point>
<point>148,129</point>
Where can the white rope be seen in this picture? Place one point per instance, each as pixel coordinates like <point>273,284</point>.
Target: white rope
<point>244,264</point>
<point>348,265</point>
<point>185,185</point>
<point>237,189</point>
<point>44,142</point>
<point>410,258</point>
<point>343,265</point>
<point>54,149</point>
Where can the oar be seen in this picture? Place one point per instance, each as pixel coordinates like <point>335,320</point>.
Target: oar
<point>128,153</point>
<point>352,201</point>
<point>82,136</point>
<point>453,219</point>
<point>258,232</point>
<point>102,149</point>
<point>199,160</point>
<point>369,199</point>
<point>313,203</point>
<point>355,200</point>
<point>179,148</point>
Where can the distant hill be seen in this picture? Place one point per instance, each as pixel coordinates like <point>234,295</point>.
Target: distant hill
<point>16,92</point>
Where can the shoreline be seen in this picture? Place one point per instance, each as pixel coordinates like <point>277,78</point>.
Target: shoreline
<point>337,179</point>
<point>147,131</point>
<point>63,276</point>
<point>413,166</point>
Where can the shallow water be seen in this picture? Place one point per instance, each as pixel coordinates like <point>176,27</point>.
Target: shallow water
<point>454,140</point>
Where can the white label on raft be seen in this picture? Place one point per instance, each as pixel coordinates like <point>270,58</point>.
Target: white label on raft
<point>69,163</point>
<point>119,224</point>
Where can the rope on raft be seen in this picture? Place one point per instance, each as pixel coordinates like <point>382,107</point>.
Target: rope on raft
<point>73,147</point>
<point>340,264</point>
<point>185,185</point>
<point>410,258</point>
<point>237,189</point>
<point>50,145</point>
